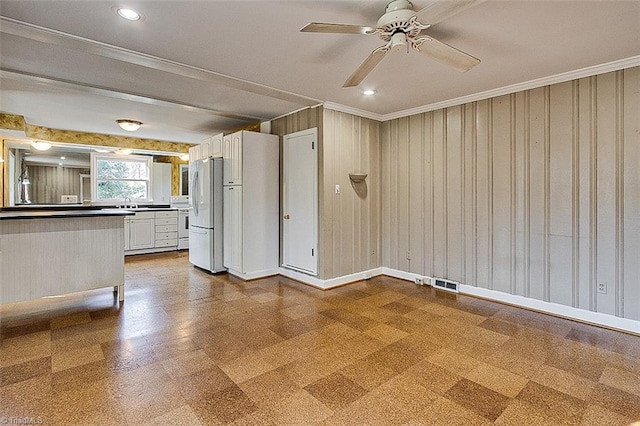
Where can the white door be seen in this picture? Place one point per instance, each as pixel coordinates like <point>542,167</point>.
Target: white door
<point>300,204</point>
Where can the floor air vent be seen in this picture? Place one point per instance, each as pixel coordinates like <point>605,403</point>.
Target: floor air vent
<point>447,285</point>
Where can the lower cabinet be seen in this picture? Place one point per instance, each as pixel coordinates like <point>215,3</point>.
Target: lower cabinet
<point>166,229</point>
<point>148,232</point>
<point>141,231</point>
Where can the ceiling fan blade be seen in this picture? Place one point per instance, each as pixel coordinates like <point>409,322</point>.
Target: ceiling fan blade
<point>367,66</point>
<point>319,27</point>
<point>439,10</point>
<point>446,54</point>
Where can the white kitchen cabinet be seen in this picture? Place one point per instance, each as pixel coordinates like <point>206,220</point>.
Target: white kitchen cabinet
<point>142,231</point>
<point>151,231</point>
<point>194,153</point>
<point>211,147</point>
<point>161,184</point>
<point>166,229</point>
<point>251,204</point>
<point>232,225</point>
<point>232,155</point>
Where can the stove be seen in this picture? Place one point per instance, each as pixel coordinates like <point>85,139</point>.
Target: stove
<point>181,203</point>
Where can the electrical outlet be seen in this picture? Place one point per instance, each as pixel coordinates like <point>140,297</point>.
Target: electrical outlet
<point>418,281</point>
<point>337,189</point>
<point>367,275</point>
<point>602,287</point>
<point>408,255</point>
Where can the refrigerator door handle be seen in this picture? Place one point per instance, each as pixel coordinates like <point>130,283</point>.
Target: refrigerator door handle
<point>194,191</point>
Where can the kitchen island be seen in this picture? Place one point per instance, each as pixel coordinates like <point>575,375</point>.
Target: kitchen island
<point>55,251</point>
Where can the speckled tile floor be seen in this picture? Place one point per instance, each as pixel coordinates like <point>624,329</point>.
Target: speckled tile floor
<point>188,348</point>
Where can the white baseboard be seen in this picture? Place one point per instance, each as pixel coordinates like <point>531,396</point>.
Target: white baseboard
<point>409,276</point>
<point>570,312</point>
<point>254,275</point>
<point>596,318</point>
<point>332,282</point>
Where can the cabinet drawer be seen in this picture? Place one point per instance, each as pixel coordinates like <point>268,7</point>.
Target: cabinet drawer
<point>142,216</point>
<point>166,221</point>
<point>167,214</point>
<point>167,243</point>
<point>166,228</point>
<point>166,236</point>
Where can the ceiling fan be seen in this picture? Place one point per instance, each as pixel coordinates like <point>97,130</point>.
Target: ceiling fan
<point>401,27</point>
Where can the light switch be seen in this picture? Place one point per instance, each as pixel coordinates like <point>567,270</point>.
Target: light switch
<point>337,189</point>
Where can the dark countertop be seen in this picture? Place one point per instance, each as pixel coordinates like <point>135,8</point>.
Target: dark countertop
<point>32,213</point>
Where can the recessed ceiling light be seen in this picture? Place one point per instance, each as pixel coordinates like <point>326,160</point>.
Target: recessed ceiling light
<point>369,92</point>
<point>41,146</point>
<point>63,158</point>
<point>129,125</point>
<point>128,14</point>
<point>59,164</point>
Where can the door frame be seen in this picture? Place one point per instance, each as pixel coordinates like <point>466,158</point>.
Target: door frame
<point>285,161</point>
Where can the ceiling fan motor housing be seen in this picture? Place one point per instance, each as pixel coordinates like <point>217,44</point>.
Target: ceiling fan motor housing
<point>397,18</point>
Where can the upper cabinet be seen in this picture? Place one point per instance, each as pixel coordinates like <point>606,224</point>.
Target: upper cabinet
<point>211,147</point>
<point>194,153</point>
<point>232,155</point>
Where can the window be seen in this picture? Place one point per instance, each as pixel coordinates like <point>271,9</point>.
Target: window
<point>184,179</point>
<point>117,177</point>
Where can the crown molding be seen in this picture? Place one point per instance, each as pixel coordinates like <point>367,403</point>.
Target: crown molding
<point>621,64</point>
<point>354,111</point>
<point>519,87</point>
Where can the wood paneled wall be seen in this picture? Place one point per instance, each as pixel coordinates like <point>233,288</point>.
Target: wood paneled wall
<point>48,183</point>
<point>349,226</point>
<point>536,193</point>
<point>351,222</point>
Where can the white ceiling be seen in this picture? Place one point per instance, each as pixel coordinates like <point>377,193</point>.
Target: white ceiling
<point>195,68</point>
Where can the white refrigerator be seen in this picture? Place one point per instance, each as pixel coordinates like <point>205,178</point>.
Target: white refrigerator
<point>205,214</point>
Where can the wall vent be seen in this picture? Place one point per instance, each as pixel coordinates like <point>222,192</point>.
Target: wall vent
<point>446,285</point>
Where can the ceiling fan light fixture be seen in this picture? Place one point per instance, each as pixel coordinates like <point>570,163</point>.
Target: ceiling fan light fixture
<point>399,40</point>
<point>41,146</point>
<point>129,125</point>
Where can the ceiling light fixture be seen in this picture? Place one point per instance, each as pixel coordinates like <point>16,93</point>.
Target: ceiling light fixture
<point>41,146</point>
<point>63,158</point>
<point>369,92</point>
<point>129,125</point>
<point>123,151</point>
<point>184,157</point>
<point>128,14</point>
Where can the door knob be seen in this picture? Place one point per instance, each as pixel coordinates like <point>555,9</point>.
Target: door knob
<point>286,216</point>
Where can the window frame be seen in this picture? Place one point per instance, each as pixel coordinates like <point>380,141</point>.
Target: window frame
<point>97,156</point>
